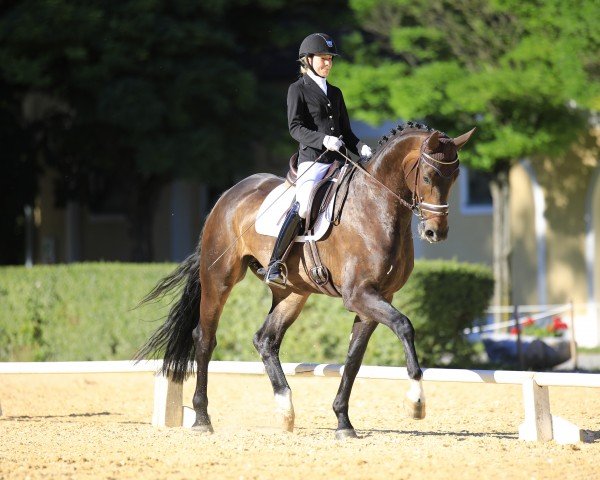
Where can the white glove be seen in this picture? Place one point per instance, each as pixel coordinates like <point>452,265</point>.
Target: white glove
<point>365,151</point>
<point>332,143</point>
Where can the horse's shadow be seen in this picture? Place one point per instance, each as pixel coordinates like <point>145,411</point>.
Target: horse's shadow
<point>589,436</point>
<point>67,416</point>
<point>460,435</point>
<point>70,417</point>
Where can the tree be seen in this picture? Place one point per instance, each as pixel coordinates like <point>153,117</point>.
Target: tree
<point>525,73</point>
<point>129,94</point>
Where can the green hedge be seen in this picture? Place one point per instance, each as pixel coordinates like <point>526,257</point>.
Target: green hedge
<point>86,312</point>
<point>76,312</point>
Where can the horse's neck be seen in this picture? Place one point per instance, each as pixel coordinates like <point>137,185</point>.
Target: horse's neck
<point>394,163</point>
<point>376,215</point>
<point>374,203</point>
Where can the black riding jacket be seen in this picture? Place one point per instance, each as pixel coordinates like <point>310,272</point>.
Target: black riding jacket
<point>312,115</point>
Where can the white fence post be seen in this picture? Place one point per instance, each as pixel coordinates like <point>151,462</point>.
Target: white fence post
<point>538,419</point>
<point>168,402</point>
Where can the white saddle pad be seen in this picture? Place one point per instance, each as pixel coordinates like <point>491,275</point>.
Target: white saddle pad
<point>271,214</point>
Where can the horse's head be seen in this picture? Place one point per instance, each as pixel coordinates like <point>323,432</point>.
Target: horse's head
<point>430,178</point>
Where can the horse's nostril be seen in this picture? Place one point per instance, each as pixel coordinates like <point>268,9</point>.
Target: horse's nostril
<point>429,233</point>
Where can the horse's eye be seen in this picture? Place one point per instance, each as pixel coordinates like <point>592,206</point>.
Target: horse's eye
<point>427,180</point>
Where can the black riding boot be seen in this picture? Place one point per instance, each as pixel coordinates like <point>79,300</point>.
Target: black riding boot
<point>274,274</point>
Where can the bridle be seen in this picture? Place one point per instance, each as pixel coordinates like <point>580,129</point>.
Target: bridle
<point>418,206</point>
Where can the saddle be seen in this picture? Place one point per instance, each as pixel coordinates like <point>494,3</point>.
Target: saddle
<point>336,179</point>
<point>334,185</point>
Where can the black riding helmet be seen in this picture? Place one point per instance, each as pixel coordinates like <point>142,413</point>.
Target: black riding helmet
<point>317,43</point>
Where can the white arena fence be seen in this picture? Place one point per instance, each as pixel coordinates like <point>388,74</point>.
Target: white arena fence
<point>539,424</point>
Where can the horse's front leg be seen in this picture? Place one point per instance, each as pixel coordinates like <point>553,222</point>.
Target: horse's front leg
<point>361,333</point>
<point>285,309</point>
<point>370,304</point>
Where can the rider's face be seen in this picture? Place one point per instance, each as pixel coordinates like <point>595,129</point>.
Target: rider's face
<point>322,64</point>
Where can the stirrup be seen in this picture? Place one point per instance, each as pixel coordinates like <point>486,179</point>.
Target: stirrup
<point>283,274</point>
<point>263,271</point>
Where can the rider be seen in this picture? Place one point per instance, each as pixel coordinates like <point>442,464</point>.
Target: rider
<point>318,121</point>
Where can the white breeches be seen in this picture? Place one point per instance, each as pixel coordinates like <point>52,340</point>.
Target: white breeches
<point>309,174</point>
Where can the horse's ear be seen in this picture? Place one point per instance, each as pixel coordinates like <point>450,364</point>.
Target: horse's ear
<point>433,141</point>
<point>464,138</point>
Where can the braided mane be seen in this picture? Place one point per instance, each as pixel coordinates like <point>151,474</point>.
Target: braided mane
<point>404,129</point>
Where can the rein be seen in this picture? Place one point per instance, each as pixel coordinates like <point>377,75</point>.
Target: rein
<point>369,174</point>
<point>418,206</point>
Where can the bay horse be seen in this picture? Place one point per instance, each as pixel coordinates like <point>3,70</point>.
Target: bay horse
<point>370,256</point>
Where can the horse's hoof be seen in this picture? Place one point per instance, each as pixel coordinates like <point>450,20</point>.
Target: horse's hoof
<point>415,410</point>
<point>203,429</point>
<point>286,422</point>
<point>285,411</point>
<point>345,434</point>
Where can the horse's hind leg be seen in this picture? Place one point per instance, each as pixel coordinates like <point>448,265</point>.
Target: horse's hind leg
<point>285,309</point>
<point>215,290</point>
<point>361,333</point>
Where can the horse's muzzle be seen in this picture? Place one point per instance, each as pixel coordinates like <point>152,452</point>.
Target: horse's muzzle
<point>432,232</point>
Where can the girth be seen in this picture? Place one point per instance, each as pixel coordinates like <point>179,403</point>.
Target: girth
<point>316,271</point>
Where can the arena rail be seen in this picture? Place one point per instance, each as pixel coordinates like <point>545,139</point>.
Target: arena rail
<point>539,423</point>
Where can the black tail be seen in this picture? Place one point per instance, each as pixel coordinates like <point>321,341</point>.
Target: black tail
<point>174,337</point>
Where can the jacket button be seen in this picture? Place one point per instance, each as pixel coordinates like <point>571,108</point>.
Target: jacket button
<point>329,104</point>
<point>332,128</point>
<point>330,116</point>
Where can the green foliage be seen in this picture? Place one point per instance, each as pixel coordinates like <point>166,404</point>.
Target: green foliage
<point>176,88</point>
<point>524,73</point>
<point>119,97</point>
<point>150,73</point>
<point>84,312</point>
<point>76,312</point>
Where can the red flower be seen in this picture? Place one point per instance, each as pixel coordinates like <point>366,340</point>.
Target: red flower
<point>514,330</point>
<point>558,324</point>
<point>528,321</point>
